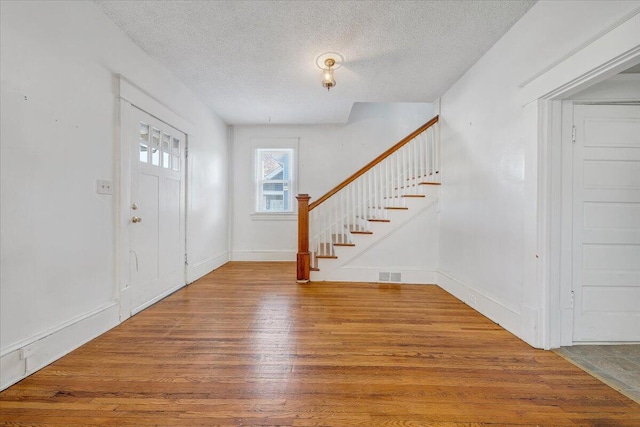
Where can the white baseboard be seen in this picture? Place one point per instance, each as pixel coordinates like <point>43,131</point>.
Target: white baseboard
<point>160,297</point>
<point>487,305</point>
<point>19,363</point>
<point>530,331</point>
<point>201,268</point>
<point>371,274</point>
<point>268,255</point>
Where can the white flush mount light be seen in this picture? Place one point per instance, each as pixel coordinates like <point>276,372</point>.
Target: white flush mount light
<point>328,62</point>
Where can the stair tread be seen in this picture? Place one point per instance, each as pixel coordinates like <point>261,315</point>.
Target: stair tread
<point>420,183</point>
<point>401,208</point>
<point>356,229</point>
<point>378,220</point>
<point>404,195</point>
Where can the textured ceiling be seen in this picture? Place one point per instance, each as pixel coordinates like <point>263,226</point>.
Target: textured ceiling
<point>254,60</point>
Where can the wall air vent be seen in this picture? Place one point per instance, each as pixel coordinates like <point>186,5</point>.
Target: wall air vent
<point>385,276</point>
<point>395,277</point>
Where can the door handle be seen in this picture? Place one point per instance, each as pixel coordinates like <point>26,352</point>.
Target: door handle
<point>136,219</point>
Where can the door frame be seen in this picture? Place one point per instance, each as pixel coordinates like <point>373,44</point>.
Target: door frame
<point>130,95</point>
<point>595,62</point>
<point>555,218</point>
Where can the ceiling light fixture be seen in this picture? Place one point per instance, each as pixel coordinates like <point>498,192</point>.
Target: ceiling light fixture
<point>329,62</point>
<point>327,74</point>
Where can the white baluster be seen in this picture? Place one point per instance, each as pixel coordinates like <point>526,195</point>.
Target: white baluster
<point>369,191</point>
<point>327,215</point>
<point>333,219</point>
<point>360,183</point>
<point>416,159</point>
<point>390,178</point>
<point>315,223</point>
<point>381,201</point>
<point>412,162</point>
<point>428,147</point>
<point>347,206</point>
<point>376,203</point>
<point>426,154</point>
<point>422,155</point>
<point>385,182</point>
<point>436,132</point>
<point>410,176</point>
<point>355,201</point>
<point>403,167</point>
<point>350,204</point>
<point>343,213</point>
<point>433,154</point>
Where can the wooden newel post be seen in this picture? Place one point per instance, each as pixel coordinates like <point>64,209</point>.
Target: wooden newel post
<point>304,257</point>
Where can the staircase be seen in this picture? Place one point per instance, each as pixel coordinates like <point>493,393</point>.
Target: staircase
<point>390,190</point>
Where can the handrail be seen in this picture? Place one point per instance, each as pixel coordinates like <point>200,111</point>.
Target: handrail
<point>374,162</point>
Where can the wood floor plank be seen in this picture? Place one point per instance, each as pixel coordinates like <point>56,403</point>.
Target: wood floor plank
<point>247,346</point>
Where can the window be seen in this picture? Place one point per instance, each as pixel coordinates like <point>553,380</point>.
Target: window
<point>161,143</point>
<point>274,180</point>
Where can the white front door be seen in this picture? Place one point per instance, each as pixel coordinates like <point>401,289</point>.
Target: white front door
<point>606,223</point>
<point>157,209</point>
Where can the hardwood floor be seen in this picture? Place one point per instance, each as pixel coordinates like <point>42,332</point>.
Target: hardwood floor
<point>248,346</point>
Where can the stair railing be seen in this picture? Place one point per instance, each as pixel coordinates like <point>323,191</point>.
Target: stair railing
<point>365,197</point>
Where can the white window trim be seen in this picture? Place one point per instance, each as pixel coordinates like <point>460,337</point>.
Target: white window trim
<point>275,143</point>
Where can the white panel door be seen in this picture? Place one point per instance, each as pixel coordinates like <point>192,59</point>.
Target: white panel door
<point>606,223</point>
<point>157,209</point>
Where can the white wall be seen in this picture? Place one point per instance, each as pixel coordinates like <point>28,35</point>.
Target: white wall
<point>488,222</point>
<point>327,155</point>
<point>620,88</point>
<point>208,197</point>
<point>59,134</point>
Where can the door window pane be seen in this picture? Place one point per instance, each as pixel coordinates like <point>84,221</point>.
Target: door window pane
<point>144,153</point>
<point>144,131</point>
<point>155,137</point>
<point>155,156</point>
<point>175,165</point>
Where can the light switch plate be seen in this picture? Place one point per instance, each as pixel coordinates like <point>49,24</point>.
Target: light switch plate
<point>104,186</point>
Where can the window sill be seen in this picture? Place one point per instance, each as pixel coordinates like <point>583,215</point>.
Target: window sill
<point>274,216</point>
